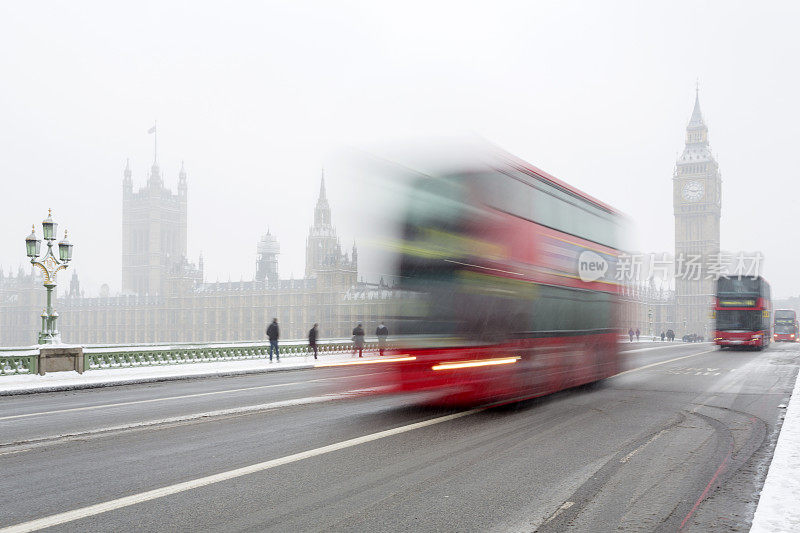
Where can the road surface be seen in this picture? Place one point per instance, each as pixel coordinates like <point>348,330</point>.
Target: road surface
<point>680,440</point>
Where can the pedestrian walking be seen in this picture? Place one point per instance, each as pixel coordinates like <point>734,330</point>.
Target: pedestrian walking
<point>358,339</point>
<point>312,339</point>
<point>273,334</point>
<point>631,334</point>
<point>382,332</point>
<point>670,335</point>
<point>662,336</point>
<point>637,334</point>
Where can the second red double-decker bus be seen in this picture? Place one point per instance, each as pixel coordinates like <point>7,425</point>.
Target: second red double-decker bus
<point>742,310</point>
<point>786,327</point>
<point>512,274</point>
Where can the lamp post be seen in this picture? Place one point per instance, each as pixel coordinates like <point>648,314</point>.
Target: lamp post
<point>50,265</point>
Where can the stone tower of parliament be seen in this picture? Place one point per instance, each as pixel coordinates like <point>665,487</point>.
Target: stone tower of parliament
<point>697,202</point>
<point>154,236</point>
<point>324,258</point>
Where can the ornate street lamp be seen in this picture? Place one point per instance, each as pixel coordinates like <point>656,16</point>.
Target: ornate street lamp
<point>65,249</point>
<point>33,244</point>
<point>49,266</point>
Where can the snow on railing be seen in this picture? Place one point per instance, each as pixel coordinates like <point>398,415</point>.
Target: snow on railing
<point>25,360</point>
<point>116,356</point>
<point>19,361</point>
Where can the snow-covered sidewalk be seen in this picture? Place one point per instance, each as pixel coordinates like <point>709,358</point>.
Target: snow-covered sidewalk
<point>61,381</point>
<point>779,506</point>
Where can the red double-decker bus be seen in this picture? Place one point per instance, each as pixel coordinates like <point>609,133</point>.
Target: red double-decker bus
<point>742,310</point>
<point>511,274</point>
<point>786,327</point>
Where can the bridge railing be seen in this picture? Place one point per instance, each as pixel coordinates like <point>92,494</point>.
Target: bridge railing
<point>155,355</point>
<point>19,361</point>
<point>15,361</point>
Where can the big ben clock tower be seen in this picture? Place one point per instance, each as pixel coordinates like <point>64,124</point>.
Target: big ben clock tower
<point>697,201</point>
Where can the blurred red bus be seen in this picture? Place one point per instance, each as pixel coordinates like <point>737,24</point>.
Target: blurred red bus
<point>742,312</point>
<point>786,327</point>
<point>512,274</point>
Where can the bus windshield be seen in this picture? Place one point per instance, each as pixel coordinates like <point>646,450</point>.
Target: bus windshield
<point>737,285</point>
<point>728,320</point>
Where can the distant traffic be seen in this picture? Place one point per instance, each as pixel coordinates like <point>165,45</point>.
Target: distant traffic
<point>742,309</point>
<point>786,327</point>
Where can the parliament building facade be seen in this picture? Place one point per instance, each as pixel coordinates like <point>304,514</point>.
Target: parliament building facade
<point>165,297</point>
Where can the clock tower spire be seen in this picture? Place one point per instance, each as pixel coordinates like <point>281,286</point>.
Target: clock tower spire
<point>697,202</point>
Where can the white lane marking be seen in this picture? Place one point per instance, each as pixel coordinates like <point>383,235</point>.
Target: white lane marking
<point>207,414</point>
<point>564,506</point>
<point>641,447</point>
<point>119,503</point>
<point>169,398</point>
<point>661,363</point>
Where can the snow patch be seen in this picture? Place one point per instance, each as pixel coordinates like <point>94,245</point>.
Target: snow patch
<point>58,381</point>
<point>779,506</point>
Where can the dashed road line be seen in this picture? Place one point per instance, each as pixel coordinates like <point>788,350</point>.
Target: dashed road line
<point>661,363</point>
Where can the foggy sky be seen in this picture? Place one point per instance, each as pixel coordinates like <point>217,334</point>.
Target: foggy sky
<point>257,99</point>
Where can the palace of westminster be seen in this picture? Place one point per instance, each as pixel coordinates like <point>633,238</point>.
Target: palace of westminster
<point>165,298</point>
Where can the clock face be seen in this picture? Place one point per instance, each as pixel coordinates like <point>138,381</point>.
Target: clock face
<point>692,191</point>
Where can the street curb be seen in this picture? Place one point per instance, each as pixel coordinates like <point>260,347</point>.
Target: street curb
<point>153,379</point>
<point>774,511</point>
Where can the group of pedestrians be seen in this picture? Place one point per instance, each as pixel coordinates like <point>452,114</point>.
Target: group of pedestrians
<point>668,335</point>
<point>382,332</point>
<point>273,334</point>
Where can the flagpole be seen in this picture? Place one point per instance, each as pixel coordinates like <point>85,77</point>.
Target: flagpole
<point>155,143</point>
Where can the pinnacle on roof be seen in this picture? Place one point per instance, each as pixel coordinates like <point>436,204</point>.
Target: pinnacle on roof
<point>697,116</point>
<point>155,176</point>
<point>322,186</point>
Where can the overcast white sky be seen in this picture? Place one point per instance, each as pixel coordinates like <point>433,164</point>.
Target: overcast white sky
<point>255,98</point>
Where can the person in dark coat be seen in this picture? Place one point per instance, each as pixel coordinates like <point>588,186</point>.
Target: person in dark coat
<point>637,334</point>
<point>312,340</point>
<point>670,335</point>
<point>273,334</point>
<point>662,336</point>
<point>631,334</point>
<point>358,339</point>
<point>382,332</point>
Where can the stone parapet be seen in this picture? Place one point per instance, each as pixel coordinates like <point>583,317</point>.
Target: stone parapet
<point>61,359</point>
